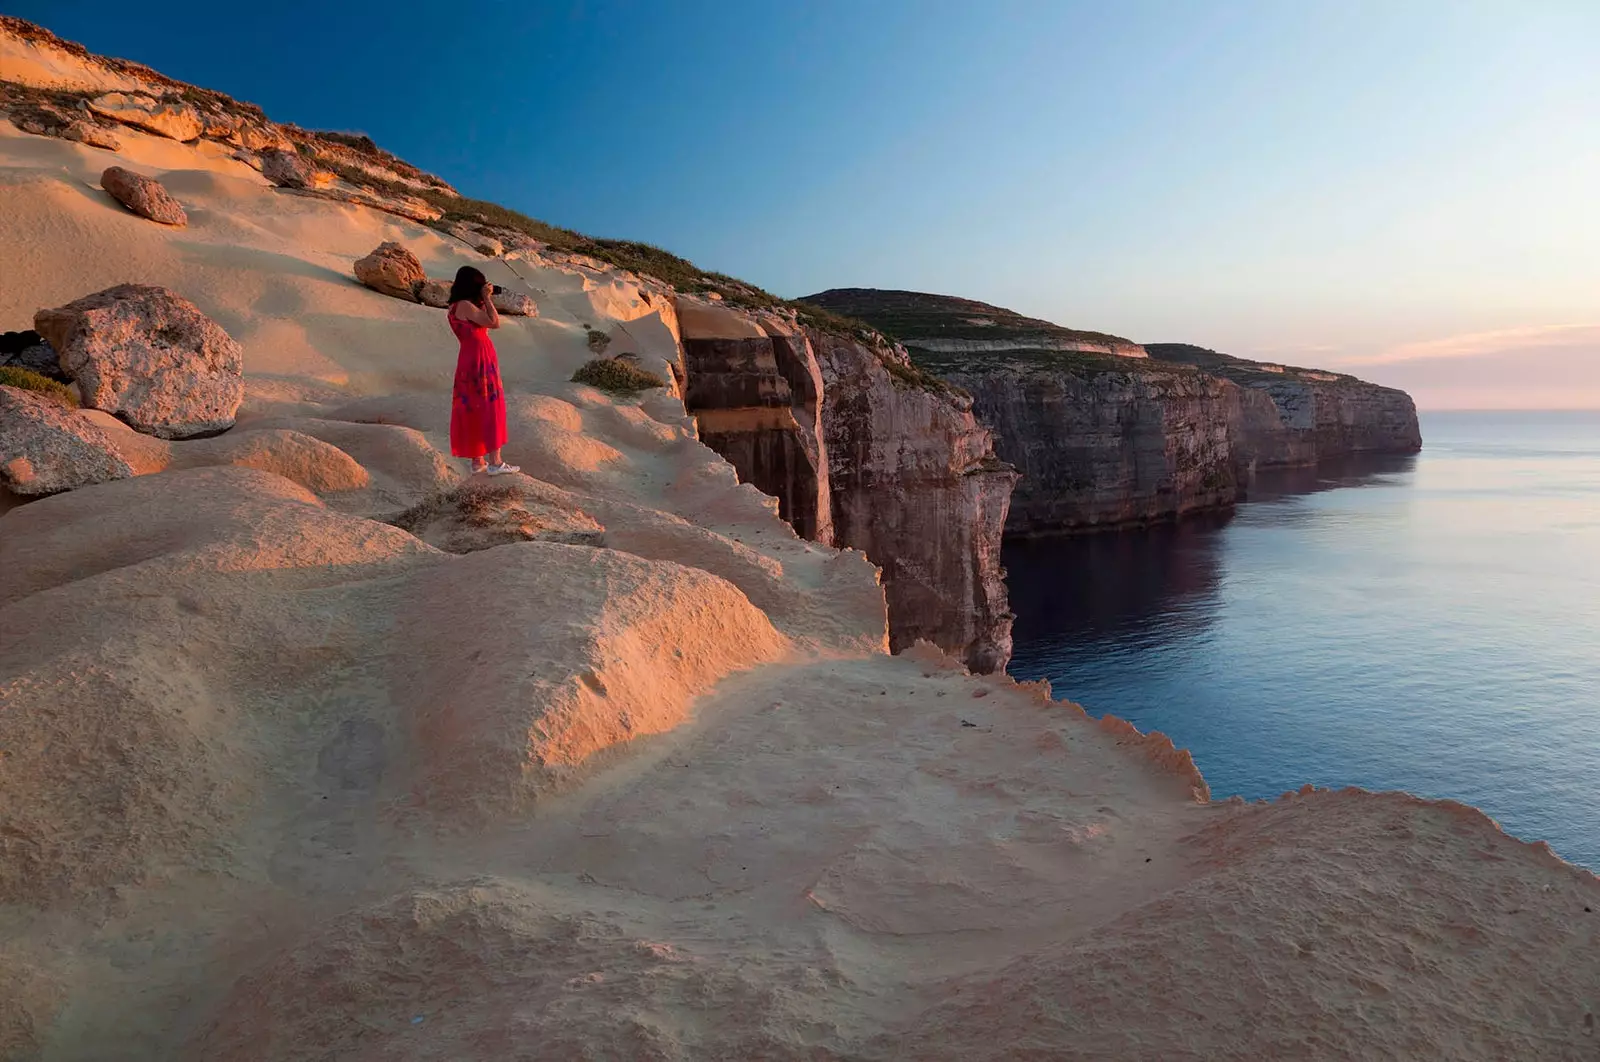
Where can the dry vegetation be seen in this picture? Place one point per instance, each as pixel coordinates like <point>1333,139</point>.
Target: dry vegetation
<point>616,376</point>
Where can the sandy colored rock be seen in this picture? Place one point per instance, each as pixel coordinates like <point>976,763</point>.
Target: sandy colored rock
<point>392,270</point>
<point>143,195</point>
<point>169,118</point>
<point>44,119</point>
<point>435,293</point>
<point>286,169</point>
<point>149,356</point>
<point>46,447</point>
<point>515,304</point>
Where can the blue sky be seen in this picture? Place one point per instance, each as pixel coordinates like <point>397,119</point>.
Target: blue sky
<point>1408,188</point>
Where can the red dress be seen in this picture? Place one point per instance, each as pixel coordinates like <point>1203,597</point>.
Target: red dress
<point>478,406</point>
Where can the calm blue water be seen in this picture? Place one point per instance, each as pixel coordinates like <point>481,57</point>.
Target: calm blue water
<point>1429,624</point>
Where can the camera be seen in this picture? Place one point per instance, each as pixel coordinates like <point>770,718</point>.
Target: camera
<point>496,288</point>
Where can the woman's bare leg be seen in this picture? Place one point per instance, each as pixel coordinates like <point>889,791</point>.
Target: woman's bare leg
<point>494,458</point>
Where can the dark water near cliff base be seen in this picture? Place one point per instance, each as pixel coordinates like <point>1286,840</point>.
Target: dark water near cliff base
<point>1429,624</point>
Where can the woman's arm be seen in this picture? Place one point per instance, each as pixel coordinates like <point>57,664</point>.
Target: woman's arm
<point>491,315</point>
<point>486,315</point>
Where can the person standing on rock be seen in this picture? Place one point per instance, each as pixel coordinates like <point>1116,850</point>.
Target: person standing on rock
<point>478,405</point>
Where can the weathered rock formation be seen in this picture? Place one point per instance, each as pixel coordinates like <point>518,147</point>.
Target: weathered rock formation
<point>435,293</point>
<point>862,451</point>
<point>1293,416</point>
<point>150,357</point>
<point>756,394</point>
<point>164,117</point>
<point>515,304</point>
<point>143,195</point>
<point>46,447</point>
<point>917,487</point>
<point>287,169</point>
<point>1104,441</point>
<point>392,270</point>
<point>1106,448</point>
<point>47,119</point>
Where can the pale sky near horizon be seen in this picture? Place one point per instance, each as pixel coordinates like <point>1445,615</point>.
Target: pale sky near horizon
<point>1408,189</point>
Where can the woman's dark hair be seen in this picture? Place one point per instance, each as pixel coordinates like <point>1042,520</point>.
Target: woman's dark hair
<point>468,286</point>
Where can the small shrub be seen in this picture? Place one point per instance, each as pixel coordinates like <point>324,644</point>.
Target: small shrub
<point>616,376</point>
<point>28,380</point>
<point>598,340</point>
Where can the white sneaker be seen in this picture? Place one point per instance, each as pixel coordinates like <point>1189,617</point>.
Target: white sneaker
<point>502,469</point>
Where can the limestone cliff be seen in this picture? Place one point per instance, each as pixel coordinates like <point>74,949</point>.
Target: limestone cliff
<point>756,394</point>
<point>1102,440</point>
<point>1106,447</point>
<point>861,450</point>
<point>1294,416</point>
<point>917,487</point>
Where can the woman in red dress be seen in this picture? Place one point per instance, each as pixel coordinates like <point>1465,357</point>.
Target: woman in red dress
<point>478,405</point>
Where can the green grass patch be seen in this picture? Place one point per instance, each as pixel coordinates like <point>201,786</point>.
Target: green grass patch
<point>617,376</point>
<point>28,380</point>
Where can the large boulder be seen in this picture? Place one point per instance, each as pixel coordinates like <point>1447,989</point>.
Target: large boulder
<point>168,118</point>
<point>143,195</point>
<point>287,169</point>
<point>392,270</point>
<point>46,447</point>
<point>150,357</point>
<point>515,304</point>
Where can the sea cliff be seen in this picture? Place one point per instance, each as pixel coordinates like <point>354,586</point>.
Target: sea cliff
<point>858,453</point>
<point>1107,433</point>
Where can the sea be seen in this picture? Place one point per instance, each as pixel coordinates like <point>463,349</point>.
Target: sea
<point>1429,623</point>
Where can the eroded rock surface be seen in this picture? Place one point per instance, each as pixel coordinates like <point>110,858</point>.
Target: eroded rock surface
<point>755,390</point>
<point>287,169</point>
<point>515,304</point>
<point>916,485</point>
<point>46,447</point>
<point>47,119</point>
<point>149,356</point>
<point>1106,448</point>
<point>392,270</point>
<point>143,195</point>
<point>164,117</point>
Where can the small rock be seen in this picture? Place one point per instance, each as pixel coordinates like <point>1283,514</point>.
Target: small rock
<point>143,195</point>
<point>515,304</point>
<point>435,293</point>
<point>150,357</point>
<point>287,169</point>
<point>168,118</point>
<point>490,246</point>
<point>46,447</point>
<point>392,270</point>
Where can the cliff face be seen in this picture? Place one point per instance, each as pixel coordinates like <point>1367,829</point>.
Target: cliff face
<point>1104,441</point>
<point>756,395</point>
<point>859,457</point>
<point>1104,449</point>
<point>916,486</point>
<point>1294,416</point>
